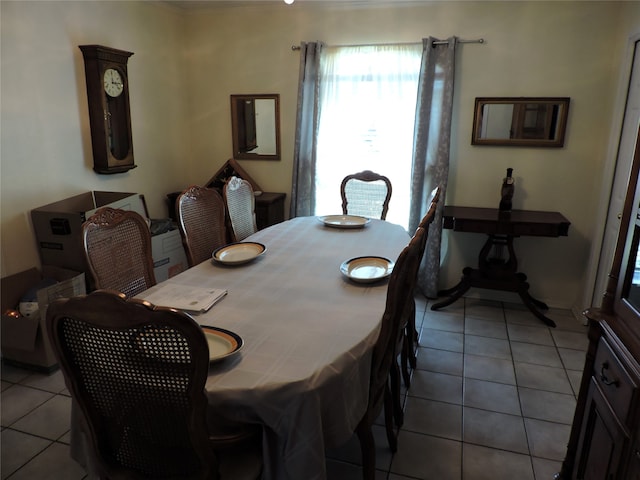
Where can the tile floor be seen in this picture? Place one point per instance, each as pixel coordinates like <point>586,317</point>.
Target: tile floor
<point>492,398</point>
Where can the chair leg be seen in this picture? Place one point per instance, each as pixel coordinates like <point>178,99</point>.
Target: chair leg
<point>395,400</point>
<point>388,420</point>
<point>368,450</point>
<point>412,334</point>
<point>404,357</point>
<point>409,344</point>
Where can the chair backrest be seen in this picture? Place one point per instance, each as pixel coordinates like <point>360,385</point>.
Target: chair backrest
<point>434,196</point>
<point>137,373</point>
<point>400,292</point>
<point>241,207</point>
<point>433,201</point>
<point>201,217</point>
<point>366,193</point>
<point>428,219</point>
<point>117,247</point>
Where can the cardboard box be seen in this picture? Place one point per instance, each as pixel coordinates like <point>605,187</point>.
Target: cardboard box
<point>58,225</point>
<point>169,257</point>
<point>25,341</point>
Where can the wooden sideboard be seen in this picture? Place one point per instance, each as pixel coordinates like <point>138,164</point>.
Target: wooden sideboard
<point>604,443</point>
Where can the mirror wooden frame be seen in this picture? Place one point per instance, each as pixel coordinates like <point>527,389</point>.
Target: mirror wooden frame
<point>552,120</point>
<point>245,130</point>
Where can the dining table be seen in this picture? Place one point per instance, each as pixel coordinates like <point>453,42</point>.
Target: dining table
<point>307,333</point>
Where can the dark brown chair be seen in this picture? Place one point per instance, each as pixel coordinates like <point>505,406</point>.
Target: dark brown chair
<point>117,247</point>
<point>241,208</point>
<point>201,217</point>
<point>137,373</point>
<point>409,351</point>
<point>384,365</point>
<point>366,193</point>
<point>434,198</point>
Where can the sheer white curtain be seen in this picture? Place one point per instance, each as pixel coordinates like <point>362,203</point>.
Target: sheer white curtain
<point>367,112</point>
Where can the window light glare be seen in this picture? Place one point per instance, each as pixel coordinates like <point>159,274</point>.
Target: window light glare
<point>289,2</point>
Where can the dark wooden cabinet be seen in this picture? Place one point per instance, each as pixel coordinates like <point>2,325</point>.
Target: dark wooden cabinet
<point>605,438</point>
<point>607,422</point>
<point>601,439</point>
<point>633,472</point>
<point>269,205</point>
<point>269,209</point>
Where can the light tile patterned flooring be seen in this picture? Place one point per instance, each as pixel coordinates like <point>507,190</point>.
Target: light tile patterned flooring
<point>492,398</point>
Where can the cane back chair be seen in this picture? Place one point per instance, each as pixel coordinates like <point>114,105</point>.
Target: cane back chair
<point>201,217</point>
<point>366,193</point>
<point>137,373</point>
<point>117,248</point>
<point>241,208</point>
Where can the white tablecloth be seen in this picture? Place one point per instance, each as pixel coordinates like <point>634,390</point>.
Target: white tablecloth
<point>303,372</point>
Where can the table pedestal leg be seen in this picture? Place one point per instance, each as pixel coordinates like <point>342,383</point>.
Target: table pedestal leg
<point>495,274</point>
<point>455,292</point>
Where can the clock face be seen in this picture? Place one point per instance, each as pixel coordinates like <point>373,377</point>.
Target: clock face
<point>113,83</point>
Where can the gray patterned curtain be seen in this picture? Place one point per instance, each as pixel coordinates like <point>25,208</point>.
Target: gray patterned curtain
<point>304,153</point>
<point>432,134</point>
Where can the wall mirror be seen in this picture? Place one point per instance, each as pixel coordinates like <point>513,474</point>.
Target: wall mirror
<point>255,125</point>
<point>520,121</point>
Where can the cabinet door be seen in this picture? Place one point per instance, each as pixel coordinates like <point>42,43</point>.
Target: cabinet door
<point>633,472</point>
<point>601,440</point>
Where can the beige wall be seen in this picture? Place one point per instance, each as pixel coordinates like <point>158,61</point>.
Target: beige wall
<point>46,147</point>
<point>186,64</point>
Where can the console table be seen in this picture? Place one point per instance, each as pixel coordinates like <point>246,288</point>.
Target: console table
<point>497,273</point>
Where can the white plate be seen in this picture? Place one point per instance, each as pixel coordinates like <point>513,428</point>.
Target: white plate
<point>238,253</point>
<point>222,343</point>
<point>344,221</point>
<point>367,269</point>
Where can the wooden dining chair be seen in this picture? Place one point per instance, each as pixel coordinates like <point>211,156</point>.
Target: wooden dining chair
<point>411,334</point>
<point>201,217</point>
<point>385,375</point>
<point>241,208</point>
<point>434,199</point>
<point>366,193</point>
<point>137,374</point>
<point>117,248</point>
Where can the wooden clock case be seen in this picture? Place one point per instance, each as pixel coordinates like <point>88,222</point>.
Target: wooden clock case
<point>109,117</point>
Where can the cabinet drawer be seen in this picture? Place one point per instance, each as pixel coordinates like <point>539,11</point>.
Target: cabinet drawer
<point>618,386</point>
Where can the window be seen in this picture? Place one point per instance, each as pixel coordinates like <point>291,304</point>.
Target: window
<point>367,112</point>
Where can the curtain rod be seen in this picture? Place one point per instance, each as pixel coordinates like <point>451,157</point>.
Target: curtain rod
<point>439,42</point>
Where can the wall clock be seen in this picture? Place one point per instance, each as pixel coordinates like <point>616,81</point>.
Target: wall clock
<point>105,71</point>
